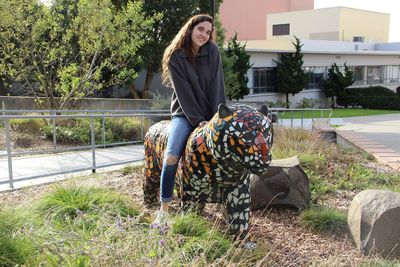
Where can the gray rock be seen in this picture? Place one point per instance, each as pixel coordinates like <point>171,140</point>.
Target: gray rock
<point>283,184</point>
<point>374,222</point>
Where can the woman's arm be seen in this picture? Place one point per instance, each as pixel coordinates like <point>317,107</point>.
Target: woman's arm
<point>216,90</point>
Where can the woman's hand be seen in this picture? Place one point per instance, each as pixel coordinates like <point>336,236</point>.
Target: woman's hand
<point>201,124</point>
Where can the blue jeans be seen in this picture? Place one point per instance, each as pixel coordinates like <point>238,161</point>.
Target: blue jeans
<point>179,131</point>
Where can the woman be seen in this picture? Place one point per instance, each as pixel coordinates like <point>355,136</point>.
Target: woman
<point>192,67</point>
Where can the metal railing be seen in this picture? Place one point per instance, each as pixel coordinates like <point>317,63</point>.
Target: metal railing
<point>103,114</point>
<point>53,116</point>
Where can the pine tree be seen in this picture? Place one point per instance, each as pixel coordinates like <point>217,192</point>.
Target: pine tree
<point>291,78</point>
<point>336,83</point>
<point>240,65</point>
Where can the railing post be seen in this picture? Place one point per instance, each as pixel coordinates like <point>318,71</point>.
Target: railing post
<point>93,142</point>
<point>53,113</point>
<point>8,145</point>
<point>104,130</point>
<point>291,118</point>
<point>141,128</point>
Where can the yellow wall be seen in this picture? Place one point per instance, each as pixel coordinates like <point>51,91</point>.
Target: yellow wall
<point>335,24</point>
<point>373,26</point>
<point>302,23</point>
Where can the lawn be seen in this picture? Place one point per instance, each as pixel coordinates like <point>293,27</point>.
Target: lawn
<point>336,113</point>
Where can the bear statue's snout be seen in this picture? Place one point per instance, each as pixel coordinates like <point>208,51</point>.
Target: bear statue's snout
<point>261,144</point>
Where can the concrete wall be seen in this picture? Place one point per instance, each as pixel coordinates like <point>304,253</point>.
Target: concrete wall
<point>28,103</point>
<point>248,18</point>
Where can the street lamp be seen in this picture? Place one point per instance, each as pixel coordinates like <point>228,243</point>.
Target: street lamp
<point>213,8</point>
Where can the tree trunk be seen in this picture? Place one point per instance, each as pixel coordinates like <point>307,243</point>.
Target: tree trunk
<point>147,83</point>
<point>133,91</point>
<point>287,100</point>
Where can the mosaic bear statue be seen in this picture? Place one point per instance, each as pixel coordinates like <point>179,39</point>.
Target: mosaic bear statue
<point>217,161</point>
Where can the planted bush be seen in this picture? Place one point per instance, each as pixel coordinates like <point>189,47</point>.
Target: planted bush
<point>374,97</point>
<point>77,131</point>
<point>31,126</point>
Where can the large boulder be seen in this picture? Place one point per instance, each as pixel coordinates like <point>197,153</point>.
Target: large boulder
<point>284,183</point>
<point>374,222</point>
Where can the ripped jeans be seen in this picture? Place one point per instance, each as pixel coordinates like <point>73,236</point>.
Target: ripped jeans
<point>179,131</point>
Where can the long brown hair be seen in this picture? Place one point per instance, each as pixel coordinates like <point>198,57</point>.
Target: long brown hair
<point>183,41</point>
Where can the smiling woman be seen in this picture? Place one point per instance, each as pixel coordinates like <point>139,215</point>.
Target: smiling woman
<point>192,67</point>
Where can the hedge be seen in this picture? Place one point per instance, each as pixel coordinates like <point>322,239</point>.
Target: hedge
<point>374,97</point>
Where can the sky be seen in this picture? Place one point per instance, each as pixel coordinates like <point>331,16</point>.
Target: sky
<point>391,7</point>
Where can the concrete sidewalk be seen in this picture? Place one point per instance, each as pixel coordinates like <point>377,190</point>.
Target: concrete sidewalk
<point>65,165</point>
<point>377,135</point>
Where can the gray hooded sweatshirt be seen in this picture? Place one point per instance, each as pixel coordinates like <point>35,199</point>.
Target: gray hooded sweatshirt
<point>198,88</point>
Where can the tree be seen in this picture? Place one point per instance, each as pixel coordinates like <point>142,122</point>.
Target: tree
<point>63,51</point>
<point>240,65</point>
<point>291,78</point>
<point>337,82</point>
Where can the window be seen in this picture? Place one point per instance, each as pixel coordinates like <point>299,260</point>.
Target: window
<point>392,74</point>
<point>374,75</point>
<point>316,76</point>
<point>280,29</point>
<point>264,80</point>
<point>359,75</point>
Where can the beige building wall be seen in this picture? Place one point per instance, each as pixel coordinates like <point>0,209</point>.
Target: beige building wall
<point>304,23</point>
<point>334,24</point>
<point>373,26</point>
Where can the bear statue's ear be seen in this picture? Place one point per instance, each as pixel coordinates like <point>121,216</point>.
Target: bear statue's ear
<point>264,110</point>
<point>224,111</point>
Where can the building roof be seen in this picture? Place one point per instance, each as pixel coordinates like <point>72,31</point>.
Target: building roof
<point>323,47</point>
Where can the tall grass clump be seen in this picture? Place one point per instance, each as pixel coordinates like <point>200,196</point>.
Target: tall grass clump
<point>308,146</point>
<point>16,246</point>
<point>323,219</point>
<point>73,201</point>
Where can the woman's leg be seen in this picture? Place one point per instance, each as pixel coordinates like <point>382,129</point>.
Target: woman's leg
<point>179,132</point>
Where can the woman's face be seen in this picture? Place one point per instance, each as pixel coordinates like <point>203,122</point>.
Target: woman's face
<point>201,34</point>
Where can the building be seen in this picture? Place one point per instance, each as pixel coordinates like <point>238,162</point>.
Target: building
<point>372,63</point>
<point>334,24</point>
<point>329,35</point>
<point>249,18</point>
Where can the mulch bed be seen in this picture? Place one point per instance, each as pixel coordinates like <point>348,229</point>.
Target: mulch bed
<point>289,244</point>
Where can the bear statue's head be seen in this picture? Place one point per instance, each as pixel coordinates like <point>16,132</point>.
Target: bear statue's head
<point>241,136</point>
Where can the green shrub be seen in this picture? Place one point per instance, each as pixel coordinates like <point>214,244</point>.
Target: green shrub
<point>322,219</point>
<point>308,103</point>
<point>28,126</point>
<point>77,131</point>
<point>374,97</point>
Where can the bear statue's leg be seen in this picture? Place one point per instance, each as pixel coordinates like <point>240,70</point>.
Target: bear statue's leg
<point>151,184</point>
<point>237,203</point>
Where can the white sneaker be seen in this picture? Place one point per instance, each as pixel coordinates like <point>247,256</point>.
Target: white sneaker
<point>162,218</point>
